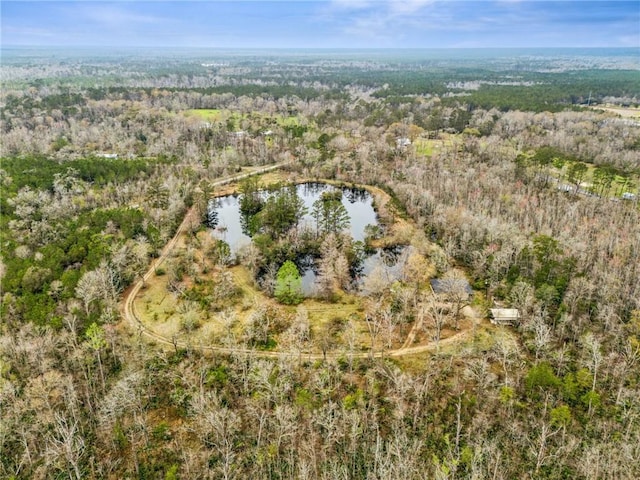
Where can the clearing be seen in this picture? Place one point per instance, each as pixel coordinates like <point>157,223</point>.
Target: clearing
<point>217,308</point>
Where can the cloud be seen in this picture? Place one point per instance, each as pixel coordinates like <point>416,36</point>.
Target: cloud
<point>323,23</point>
<point>406,7</point>
<point>393,6</point>
<point>632,40</point>
<point>341,5</point>
<point>483,22</point>
<point>115,15</point>
<point>28,32</point>
<point>387,19</point>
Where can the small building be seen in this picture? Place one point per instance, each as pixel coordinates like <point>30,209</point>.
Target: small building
<point>504,316</point>
<point>402,142</point>
<point>628,196</point>
<point>112,156</point>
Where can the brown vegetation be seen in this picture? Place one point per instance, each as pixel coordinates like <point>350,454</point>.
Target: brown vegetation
<point>556,396</point>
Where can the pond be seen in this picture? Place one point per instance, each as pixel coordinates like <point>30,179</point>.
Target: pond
<point>225,220</point>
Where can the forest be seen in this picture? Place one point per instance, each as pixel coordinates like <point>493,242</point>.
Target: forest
<point>140,339</point>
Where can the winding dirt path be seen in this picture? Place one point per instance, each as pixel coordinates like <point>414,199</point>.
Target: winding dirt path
<point>128,308</point>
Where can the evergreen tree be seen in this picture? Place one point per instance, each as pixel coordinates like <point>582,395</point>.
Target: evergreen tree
<point>281,212</point>
<point>329,213</point>
<point>251,201</point>
<point>289,284</point>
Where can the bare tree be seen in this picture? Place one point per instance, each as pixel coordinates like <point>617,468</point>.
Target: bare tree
<point>593,355</point>
<point>88,289</point>
<point>218,428</point>
<point>432,308</point>
<point>540,446</point>
<point>374,320</point>
<point>333,268</point>
<point>542,335</point>
<point>455,288</point>
<point>99,284</point>
<point>65,447</point>
<point>507,350</point>
<point>298,334</point>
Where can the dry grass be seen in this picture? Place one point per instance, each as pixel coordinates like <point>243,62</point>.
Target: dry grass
<point>155,303</point>
<point>159,310</point>
<point>626,112</point>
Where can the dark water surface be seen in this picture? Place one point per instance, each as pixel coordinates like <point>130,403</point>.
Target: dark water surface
<point>225,219</point>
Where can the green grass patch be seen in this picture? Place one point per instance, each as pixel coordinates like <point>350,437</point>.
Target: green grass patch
<point>428,146</point>
<point>290,121</point>
<point>619,185</point>
<point>235,118</point>
<point>424,147</point>
<point>211,114</point>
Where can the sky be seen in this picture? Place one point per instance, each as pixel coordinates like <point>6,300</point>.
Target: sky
<point>322,24</point>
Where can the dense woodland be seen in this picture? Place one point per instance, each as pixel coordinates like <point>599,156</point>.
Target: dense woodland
<point>516,168</point>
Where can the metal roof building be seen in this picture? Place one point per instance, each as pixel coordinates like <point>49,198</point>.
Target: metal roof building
<point>504,316</point>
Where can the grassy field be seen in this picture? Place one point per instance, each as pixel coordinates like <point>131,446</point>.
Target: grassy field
<point>429,146</point>
<point>626,112</point>
<point>208,114</point>
<point>164,312</point>
<point>618,186</point>
<point>223,115</point>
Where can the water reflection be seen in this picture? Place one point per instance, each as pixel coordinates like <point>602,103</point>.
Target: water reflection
<point>228,224</point>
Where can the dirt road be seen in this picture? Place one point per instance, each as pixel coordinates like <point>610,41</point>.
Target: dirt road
<point>128,308</point>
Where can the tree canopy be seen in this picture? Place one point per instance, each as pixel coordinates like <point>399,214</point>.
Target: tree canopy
<point>289,284</point>
<point>281,212</point>
<point>329,213</point>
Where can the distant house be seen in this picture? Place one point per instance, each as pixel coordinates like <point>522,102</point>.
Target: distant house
<point>504,316</point>
<point>402,142</point>
<point>268,133</point>
<point>628,196</point>
<point>112,156</point>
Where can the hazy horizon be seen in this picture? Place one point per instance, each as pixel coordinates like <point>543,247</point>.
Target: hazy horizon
<point>315,24</point>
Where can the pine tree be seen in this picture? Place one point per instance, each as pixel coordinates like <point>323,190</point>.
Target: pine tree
<point>329,213</point>
<point>289,284</point>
